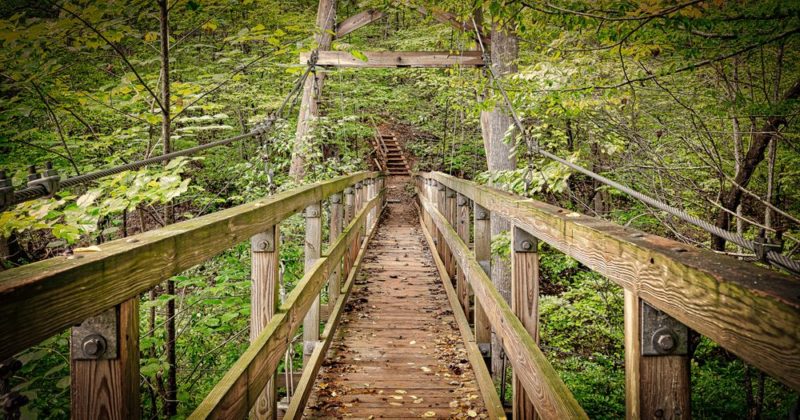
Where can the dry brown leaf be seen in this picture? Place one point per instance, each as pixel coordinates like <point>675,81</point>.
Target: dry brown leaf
<point>429,414</point>
<point>472,413</point>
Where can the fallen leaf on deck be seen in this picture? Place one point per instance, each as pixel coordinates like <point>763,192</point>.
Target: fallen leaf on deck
<point>472,413</point>
<point>429,414</point>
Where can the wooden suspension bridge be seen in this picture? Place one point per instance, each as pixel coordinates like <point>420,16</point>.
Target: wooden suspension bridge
<point>411,309</point>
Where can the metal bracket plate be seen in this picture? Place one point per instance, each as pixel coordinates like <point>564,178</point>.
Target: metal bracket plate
<point>524,241</point>
<point>264,241</point>
<point>662,334</point>
<point>97,337</point>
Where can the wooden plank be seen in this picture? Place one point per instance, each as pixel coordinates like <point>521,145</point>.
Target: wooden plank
<point>358,21</point>
<point>525,304</point>
<point>264,300</point>
<point>484,379</point>
<point>41,299</point>
<point>483,254</point>
<point>109,389</point>
<point>751,311</point>
<point>336,222</point>
<point>552,398</point>
<point>306,384</point>
<point>463,228</point>
<point>313,251</point>
<point>238,390</point>
<point>655,386</point>
<point>393,59</point>
<point>451,213</point>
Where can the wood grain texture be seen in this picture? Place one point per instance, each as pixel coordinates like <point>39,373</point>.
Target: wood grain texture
<point>525,304</point>
<point>392,59</point>
<point>463,228</point>
<point>451,213</point>
<point>313,251</point>
<point>483,253</point>
<point>551,397</point>
<point>336,221</point>
<point>751,311</point>
<point>109,389</point>
<point>264,300</point>
<point>358,21</point>
<point>305,385</point>
<point>44,298</point>
<point>494,406</point>
<point>238,390</point>
<point>655,386</point>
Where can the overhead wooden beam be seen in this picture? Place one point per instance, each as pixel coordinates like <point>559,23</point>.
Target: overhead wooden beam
<point>358,21</point>
<point>394,59</point>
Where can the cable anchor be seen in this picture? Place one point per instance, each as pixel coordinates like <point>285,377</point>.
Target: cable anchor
<point>50,180</point>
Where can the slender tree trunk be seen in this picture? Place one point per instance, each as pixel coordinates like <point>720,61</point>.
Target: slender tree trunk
<point>171,403</point>
<point>755,154</point>
<point>309,110</point>
<point>494,125</point>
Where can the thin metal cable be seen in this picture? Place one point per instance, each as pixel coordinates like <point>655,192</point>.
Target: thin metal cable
<point>773,257</point>
<point>266,125</point>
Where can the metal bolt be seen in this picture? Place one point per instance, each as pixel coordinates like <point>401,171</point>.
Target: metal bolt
<point>33,174</point>
<point>526,245</point>
<point>659,413</point>
<point>666,342</point>
<point>94,345</point>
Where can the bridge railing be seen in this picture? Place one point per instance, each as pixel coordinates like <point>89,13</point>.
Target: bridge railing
<point>98,292</point>
<point>668,287</point>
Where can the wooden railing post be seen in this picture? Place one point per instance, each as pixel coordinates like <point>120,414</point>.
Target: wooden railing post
<point>441,206</point>
<point>462,227</point>
<point>349,211</point>
<point>264,249</point>
<point>525,303</point>
<point>313,250</point>
<point>483,254</point>
<point>657,376</point>
<point>450,212</point>
<point>105,364</point>
<point>336,225</point>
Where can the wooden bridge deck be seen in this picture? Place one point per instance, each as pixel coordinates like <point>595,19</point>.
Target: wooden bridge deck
<point>398,351</point>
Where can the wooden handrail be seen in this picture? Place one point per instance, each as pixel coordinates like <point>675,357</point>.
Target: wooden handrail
<point>238,390</point>
<point>749,310</point>
<point>42,299</point>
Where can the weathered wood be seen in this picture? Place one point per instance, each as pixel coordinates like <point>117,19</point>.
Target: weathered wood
<point>358,21</point>
<point>451,213</point>
<point>41,299</point>
<point>336,222</point>
<point>306,383</point>
<point>349,209</point>
<point>264,300</point>
<point>313,251</point>
<point>483,253</point>
<point>109,389</point>
<point>484,379</point>
<point>392,59</point>
<point>525,303</point>
<point>552,398</point>
<point>238,390</point>
<point>462,227</point>
<point>655,386</point>
<point>751,311</point>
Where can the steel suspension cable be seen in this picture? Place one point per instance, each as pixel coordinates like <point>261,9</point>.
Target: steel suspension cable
<point>263,127</point>
<point>759,249</point>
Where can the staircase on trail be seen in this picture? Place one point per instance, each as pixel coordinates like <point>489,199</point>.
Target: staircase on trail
<point>394,159</point>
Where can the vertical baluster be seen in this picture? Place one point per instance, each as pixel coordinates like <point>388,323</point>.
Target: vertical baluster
<point>450,213</point>
<point>349,203</point>
<point>313,245</point>
<point>483,251</point>
<point>525,303</point>
<point>336,220</point>
<point>264,248</point>
<point>462,227</point>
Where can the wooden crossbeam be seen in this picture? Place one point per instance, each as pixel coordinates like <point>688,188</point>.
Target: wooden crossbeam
<point>395,59</point>
<point>358,21</point>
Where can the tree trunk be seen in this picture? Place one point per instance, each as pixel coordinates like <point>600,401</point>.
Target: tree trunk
<point>755,154</point>
<point>494,125</point>
<point>171,403</point>
<point>309,110</point>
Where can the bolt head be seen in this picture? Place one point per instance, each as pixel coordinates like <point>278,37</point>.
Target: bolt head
<point>666,342</point>
<point>94,346</point>
<point>526,245</point>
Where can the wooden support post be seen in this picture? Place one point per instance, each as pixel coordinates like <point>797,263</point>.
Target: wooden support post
<point>450,213</point>
<point>359,202</point>
<point>105,365</point>
<point>462,227</point>
<point>657,375</point>
<point>313,250</point>
<point>336,224</point>
<point>525,303</point>
<point>349,211</point>
<point>483,254</point>
<point>441,206</point>
<point>264,299</point>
